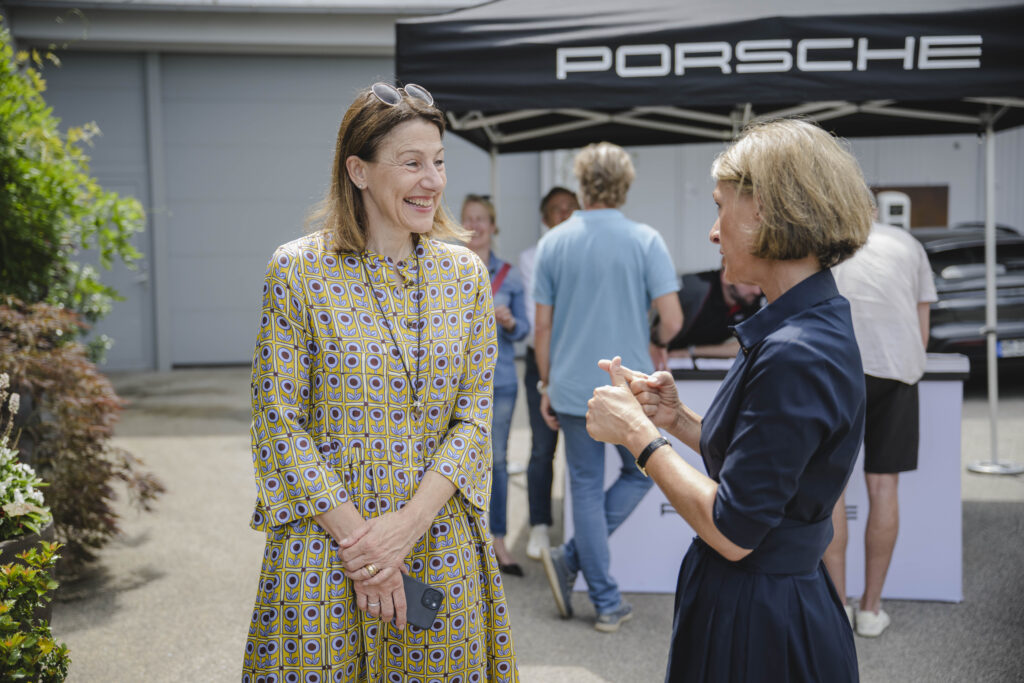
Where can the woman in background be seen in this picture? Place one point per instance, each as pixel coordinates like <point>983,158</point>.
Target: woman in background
<point>479,217</point>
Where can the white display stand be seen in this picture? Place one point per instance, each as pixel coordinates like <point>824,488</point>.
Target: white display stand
<point>927,563</point>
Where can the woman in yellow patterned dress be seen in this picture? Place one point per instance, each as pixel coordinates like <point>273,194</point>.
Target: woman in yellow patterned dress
<point>371,395</point>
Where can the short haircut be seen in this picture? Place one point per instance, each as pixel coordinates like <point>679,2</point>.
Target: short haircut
<point>810,193</point>
<point>368,121</point>
<point>552,193</point>
<point>605,172</point>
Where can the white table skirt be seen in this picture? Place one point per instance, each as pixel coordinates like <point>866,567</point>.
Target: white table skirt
<point>927,563</point>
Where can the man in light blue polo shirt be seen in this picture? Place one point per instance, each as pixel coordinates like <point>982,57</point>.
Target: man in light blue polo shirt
<point>595,278</point>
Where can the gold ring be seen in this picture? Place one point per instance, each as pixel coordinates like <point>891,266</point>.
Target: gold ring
<point>371,569</point>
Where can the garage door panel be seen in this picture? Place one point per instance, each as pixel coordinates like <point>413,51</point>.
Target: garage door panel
<point>249,143</point>
<point>256,228</point>
<point>271,78</point>
<point>278,124</point>
<point>241,175</point>
<point>215,337</point>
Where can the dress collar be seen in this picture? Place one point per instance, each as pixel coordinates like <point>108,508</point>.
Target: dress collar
<point>809,292</point>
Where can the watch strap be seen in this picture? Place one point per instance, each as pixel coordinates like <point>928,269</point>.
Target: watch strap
<point>645,454</point>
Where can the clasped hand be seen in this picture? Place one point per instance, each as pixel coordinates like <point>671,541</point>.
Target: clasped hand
<point>622,408</point>
<point>374,558</point>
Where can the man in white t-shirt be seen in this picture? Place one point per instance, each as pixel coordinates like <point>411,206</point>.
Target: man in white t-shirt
<point>557,205</point>
<point>889,284</point>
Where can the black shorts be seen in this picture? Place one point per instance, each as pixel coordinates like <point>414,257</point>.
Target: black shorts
<point>891,429</point>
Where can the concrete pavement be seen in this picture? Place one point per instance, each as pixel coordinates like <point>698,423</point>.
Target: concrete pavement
<point>170,599</point>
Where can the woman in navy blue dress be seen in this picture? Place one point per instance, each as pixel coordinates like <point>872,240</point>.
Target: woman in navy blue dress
<point>754,601</point>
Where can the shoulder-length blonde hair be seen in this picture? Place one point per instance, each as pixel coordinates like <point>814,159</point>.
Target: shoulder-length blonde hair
<point>809,190</point>
<point>342,213</point>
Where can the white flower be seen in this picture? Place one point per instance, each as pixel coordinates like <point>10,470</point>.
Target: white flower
<point>5,381</point>
<point>15,402</point>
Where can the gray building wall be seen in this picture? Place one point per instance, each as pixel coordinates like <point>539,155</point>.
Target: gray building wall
<point>223,125</point>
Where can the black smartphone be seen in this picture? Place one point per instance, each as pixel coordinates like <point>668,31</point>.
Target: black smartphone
<point>421,602</point>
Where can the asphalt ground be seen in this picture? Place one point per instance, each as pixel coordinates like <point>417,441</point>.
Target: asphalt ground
<point>170,598</point>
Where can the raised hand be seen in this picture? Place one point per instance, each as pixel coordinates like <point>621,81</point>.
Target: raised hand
<point>659,398</point>
<point>613,414</point>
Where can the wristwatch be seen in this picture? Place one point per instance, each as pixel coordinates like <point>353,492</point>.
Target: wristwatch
<point>641,461</point>
<point>542,387</point>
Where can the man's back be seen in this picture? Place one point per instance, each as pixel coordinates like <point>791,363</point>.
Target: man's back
<point>600,272</point>
<point>885,281</point>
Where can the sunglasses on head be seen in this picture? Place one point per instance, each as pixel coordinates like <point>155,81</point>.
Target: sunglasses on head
<point>392,96</point>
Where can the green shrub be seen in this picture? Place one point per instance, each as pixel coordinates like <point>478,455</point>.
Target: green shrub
<point>51,208</point>
<point>69,427</point>
<point>28,651</point>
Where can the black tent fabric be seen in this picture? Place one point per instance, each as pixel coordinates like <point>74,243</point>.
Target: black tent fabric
<point>518,75</point>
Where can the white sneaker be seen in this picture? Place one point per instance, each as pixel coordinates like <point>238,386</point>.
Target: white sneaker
<point>538,541</point>
<point>849,613</point>
<point>871,624</point>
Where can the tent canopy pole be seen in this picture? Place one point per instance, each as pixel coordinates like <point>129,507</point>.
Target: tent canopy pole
<point>993,466</point>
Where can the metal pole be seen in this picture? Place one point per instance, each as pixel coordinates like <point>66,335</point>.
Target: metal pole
<point>494,179</point>
<point>993,466</point>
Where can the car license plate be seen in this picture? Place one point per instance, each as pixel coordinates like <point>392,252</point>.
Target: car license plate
<point>1010,348</point>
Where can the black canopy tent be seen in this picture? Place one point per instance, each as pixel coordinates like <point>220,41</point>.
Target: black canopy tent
<point>521,75</point>
<point>528,75</point>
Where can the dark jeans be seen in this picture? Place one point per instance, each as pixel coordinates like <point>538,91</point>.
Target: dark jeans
<point>542,450</point>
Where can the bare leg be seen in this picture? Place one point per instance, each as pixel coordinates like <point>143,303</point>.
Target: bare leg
<point>835,554</point>
<point>501,552</point>
<point>879,536</point>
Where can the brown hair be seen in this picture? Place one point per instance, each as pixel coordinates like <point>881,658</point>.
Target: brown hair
<point>342,213</point>
<point>810,192</point>
<point>605,172</point>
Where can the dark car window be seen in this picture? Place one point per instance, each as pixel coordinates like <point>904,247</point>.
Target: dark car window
<point>1010,256</point>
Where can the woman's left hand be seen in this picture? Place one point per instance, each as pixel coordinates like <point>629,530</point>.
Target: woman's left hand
<point>382,544</point>
<point>383,596</point>
<point>503,316</point>
<point>613,414</point>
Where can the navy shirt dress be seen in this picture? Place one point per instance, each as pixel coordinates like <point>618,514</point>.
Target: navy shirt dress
<point>780,438</point>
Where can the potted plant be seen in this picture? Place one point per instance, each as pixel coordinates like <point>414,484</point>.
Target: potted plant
<point>28,651</point>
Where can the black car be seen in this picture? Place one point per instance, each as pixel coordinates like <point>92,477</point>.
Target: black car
<point>958,262</point>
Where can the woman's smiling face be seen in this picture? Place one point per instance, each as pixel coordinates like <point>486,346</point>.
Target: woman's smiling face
<point>477,219</point>
<point>403,184</point>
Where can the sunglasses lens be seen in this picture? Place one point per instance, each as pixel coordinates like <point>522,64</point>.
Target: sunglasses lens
<point>387,94</point>
<point>420,93</point>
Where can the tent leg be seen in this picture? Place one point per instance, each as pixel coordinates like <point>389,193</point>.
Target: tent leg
<point>992,466</point>
<point>494,177</point>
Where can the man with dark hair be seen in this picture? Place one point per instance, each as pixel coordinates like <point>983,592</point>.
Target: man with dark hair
<point>711,305</point>
<point>556,206</point>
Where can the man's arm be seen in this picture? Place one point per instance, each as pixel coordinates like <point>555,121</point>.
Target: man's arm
<point>923,320</point>
<point>670,317</point>
<point>542,351</point>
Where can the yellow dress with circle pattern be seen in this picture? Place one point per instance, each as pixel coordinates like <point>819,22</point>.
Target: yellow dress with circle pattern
<point>333,422</point>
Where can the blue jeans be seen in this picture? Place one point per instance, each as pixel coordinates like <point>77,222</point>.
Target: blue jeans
<point>544,440</point>
<point>597,513</point>
<point>504,404</point>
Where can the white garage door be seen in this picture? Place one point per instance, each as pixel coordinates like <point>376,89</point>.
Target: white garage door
<point>249,142</point>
